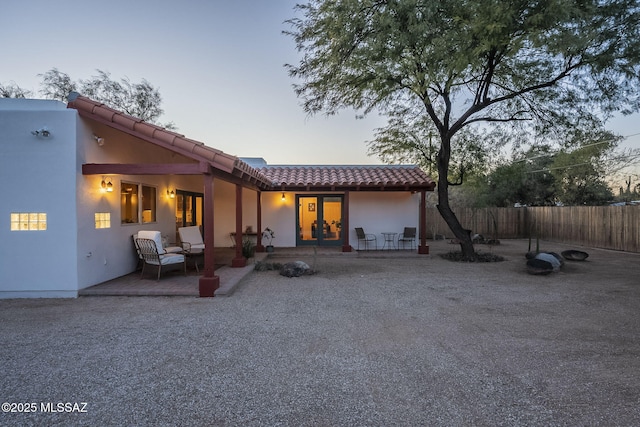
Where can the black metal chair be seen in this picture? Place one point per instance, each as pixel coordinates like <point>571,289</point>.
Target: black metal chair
<point>408,236</point>
<point>148,251</point>
<point>366,238</point>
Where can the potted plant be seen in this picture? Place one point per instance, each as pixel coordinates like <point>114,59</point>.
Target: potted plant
<point>269,235</point>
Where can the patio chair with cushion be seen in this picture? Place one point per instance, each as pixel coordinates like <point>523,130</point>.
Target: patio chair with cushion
<point>366,238</point>
<point>156,237</point>
<point>408,236</point>
<point>148,250</point>
<point>191,239</point>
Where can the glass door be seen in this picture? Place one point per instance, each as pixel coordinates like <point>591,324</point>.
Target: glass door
<point>319,220</point>
<point>189,208</point>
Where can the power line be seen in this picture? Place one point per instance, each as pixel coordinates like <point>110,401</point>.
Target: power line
<point>584,146</point>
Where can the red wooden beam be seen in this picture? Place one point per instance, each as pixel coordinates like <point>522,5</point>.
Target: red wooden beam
<point>145,168</point>
<point>239,260</point>
<point>209,282</point>
<point>423,248</point>
<point>346,246</point>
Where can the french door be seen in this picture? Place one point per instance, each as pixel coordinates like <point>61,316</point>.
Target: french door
<point>319,220</point>
<point>189,208</point>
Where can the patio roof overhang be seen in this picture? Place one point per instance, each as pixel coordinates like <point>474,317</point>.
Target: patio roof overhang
<point>205,160</point>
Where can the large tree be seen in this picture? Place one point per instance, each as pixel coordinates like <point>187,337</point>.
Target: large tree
<point>534,65</point>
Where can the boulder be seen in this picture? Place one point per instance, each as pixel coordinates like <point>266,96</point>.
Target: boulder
<point>538,266</point>
<point>295,269</point>
<point>551,258</point>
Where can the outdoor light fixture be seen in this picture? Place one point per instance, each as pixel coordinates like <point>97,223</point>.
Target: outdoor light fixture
<point>106,184</point>
<point>171,194</point>
<point>99,140</point>
<point>43,132</point>
<point>283,198</point>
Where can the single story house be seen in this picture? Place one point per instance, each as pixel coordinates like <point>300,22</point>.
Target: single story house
<point>81,179</point>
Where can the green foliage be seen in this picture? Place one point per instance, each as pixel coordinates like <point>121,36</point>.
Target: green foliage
<point>571,175</point>
<point>140,100</point>
<point>529,68</point>
<point>12,90</point>
<point>248,248</point>
<point>410,137</point>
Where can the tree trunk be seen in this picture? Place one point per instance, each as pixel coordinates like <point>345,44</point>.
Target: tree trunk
<point>463,235</point>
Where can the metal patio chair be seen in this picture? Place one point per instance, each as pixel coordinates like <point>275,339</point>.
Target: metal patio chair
<point>408,236</point>
<point>148,250</point>
<point>366,238</point>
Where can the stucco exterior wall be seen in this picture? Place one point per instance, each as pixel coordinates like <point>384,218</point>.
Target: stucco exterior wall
<point>376,212</point>
<point>104,254</point>
<point>38,175</point>
<point>44,175</point>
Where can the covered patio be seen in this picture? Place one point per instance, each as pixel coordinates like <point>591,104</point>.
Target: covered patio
<point>174,283</point>
<point>186,157</point>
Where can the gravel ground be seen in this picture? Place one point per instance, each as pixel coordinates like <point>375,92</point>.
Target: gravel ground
<point>367,341</point>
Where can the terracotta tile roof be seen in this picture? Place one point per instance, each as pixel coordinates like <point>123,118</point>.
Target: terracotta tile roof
<point>274,178</point>
<point>388,177</point>
<point>173,141</point>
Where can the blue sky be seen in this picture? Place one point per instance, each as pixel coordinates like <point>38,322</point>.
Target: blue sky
<point>218,64</point>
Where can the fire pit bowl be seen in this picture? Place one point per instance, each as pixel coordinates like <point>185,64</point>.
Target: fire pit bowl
<point>573,255</point>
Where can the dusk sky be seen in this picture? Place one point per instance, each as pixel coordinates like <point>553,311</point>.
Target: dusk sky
<point>219,66</point>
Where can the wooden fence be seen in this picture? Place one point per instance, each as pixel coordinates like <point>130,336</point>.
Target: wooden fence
<point>607,227</point>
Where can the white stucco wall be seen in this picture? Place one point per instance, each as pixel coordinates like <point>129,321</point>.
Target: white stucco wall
<point>38,175</point>
<point>45,175</point>
<point>104,254</point>
<point>376,212</point>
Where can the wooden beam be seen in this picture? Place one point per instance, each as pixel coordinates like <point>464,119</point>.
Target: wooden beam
<point>144,168</point>
<point>346,245</point>
<point>239,260</point>
<point>208,282</point>
<point>423,248</point>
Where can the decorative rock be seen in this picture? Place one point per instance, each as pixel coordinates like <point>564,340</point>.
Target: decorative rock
<point>295,269</point>
<point>538,266</point>
<point>551,258</point>
<point>573,255</point>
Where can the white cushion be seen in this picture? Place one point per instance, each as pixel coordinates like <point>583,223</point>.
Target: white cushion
<point>168,259</point>
<point>173,249</point>
<point>153,235</point>
<point>191,235</point>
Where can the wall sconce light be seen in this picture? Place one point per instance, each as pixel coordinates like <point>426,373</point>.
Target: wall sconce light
<point>99,140</point>
<point>171,194</point>
<point>43,132</point>
<point>106,184</point>
<point>283,198</point>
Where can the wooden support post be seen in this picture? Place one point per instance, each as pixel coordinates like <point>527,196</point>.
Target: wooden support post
<point>423,248</point>
<point>239,260</point>
<point>208,282</point>
<point>346,246</point>
<point>259,246</point>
